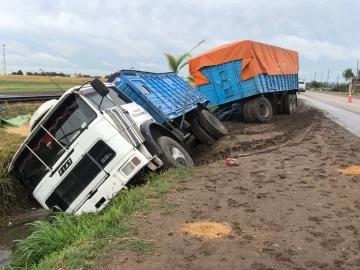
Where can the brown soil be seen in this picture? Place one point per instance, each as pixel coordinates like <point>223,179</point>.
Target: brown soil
<point>23,130</point>
<point>287,205</point>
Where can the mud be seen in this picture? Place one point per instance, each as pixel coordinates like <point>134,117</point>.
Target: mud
<point>288,206</point>
<point>23,130</point>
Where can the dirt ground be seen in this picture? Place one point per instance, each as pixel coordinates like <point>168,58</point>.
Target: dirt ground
<point>287,205</point>
<point>23,130</point>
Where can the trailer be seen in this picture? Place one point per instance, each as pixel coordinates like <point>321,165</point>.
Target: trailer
<point>247,77</point>
<point>172,102</point>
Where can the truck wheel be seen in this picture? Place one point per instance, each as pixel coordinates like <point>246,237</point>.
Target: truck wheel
<point>174,155</point>
<point>201,133</point>
<point>288,104</point>
<point>263,110</point>
<point>211,124</point>
<point>248,111</point>
<point>294,102</point>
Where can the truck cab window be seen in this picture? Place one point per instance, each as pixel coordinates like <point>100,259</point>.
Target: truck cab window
<point>96,99</point>
<point>67,122</point>
<point>118,96</point>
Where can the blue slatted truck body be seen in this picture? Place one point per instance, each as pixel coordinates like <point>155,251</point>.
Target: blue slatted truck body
<point>229,93</point>
<point>169,99</point>
<point>219,77</point>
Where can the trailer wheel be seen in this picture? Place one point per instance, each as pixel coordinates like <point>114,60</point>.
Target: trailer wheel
<point>263,110</point>
<point>288,104</point>
<point>294,102</point>
<point>211,124</point>
<point>174,155</point>
<point>248,111</point>
<point>201,133</point>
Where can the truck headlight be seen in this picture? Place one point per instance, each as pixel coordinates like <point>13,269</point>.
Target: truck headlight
<point>131,165</point>
<point>128,168</point>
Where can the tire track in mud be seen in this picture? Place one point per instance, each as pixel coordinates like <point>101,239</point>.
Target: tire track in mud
<point>246,140</point>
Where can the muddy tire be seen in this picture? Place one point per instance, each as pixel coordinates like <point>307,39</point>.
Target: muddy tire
<point>262,109</point>
<point>288,104</point>
<point>201,133</point>
<point>174,155</point>
<point>211,124</point>
<point>248,111</point>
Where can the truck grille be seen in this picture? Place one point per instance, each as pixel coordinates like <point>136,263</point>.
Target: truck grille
<point>83,173</point>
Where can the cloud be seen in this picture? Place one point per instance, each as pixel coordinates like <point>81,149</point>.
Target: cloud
<point>18,54</point>
<point>62,48</point>
<point>101,35</point>
<point>314,49</point>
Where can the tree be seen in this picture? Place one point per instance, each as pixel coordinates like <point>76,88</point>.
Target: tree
<point>348,74</point>
<point>20,72</point>
<point>175,63</point>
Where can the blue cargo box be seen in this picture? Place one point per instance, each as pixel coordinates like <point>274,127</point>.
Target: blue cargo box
<point>162,95</point>
<point>225,85</point>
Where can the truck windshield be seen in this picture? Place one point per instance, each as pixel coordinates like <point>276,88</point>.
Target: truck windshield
<point>65,124</point>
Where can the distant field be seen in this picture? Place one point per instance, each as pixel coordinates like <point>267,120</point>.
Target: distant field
<point>17,84</point>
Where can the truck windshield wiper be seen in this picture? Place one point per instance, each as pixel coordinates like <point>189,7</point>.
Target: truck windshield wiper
<point>70,133</point>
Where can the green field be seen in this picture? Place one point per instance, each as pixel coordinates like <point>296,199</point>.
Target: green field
<point>20,84</point>
<point>33,86</point>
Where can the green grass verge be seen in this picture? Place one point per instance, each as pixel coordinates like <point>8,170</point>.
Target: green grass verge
<point>70,242</point>
<point>12,195</point>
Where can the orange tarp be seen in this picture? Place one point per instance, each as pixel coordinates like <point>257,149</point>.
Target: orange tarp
<point>257,58</point>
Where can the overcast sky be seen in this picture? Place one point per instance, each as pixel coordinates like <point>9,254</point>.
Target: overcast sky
<point>100,37</point>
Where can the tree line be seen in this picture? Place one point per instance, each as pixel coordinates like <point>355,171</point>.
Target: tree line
<point>51,74</point>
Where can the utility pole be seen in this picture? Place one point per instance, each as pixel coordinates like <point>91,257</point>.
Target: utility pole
<point>321,76</point>
<point>315,77</point>
<point>327,81</point>
<point>4,59</point>
<point>357,75</point>
<point>337,81</point>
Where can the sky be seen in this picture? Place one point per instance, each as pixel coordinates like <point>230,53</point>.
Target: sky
<point>100,37</point>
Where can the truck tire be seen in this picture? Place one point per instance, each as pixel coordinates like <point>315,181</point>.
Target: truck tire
<point>248,111</point>
<point>211,124</point>
<point>288,104</point>
<point>262,109</point>
<point>294,102</point>
<point>201,133</point>
<point>174,155</point>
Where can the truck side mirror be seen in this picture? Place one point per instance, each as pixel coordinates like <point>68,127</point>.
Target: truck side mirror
<point>99,87</point>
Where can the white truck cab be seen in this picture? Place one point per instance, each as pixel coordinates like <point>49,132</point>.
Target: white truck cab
<point>302,85</point>
<point>88,145</point>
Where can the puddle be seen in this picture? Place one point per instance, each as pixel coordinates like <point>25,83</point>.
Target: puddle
<point>7,236</point>
<point>17,231</point>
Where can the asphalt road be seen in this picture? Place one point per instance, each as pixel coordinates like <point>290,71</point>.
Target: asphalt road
<point>344,113</point>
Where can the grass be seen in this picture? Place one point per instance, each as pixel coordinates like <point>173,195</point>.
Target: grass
<point>182,189</point>
<point>12,110</point>
<point>15,84</point>
<point>169,210</point>
<point>73,242</point>
<point>139,246</point>
<point>13,196</point>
